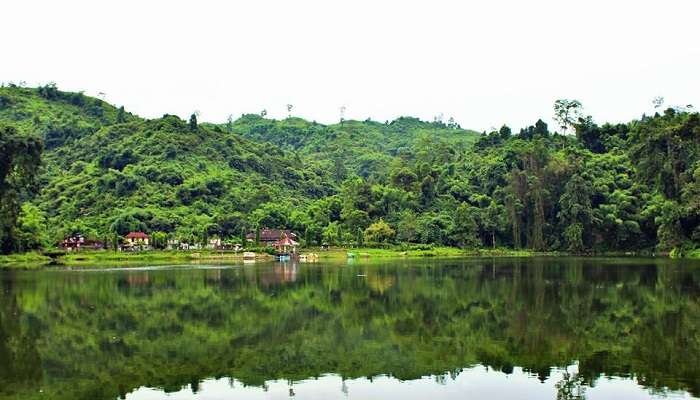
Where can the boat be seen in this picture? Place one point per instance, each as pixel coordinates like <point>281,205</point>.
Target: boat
<point>309,257</point>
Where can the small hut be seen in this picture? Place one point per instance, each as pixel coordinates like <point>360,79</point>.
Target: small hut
<point>285,245</point>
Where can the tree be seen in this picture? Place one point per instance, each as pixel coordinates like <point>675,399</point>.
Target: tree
<point>492,219</point>
<point>229,124</point>
<point>566,113</point>
<point>379,232</point>
<point>403,178</point>
<point>665,148</point>
<point>332,233</point>
<point>31,228</point>
<point>159,240</point>
<point>407,229</point>
<point>590,135</point>
<point>505,132</point>
<point>193,122</point>
<point>466,227</point>
<point>121,117</point>
<point>356,219</point>
<point>342,114</point>
<point>435,228</point>
<point>427,190</point>
<point>576,211</point>
<point>20,157</point>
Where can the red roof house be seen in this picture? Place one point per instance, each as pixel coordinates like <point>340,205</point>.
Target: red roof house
<point>136,240</point>
<point>285,244</point>
<point>137,236</point>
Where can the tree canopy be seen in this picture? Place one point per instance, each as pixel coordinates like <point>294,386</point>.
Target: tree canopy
<point>632,186</point>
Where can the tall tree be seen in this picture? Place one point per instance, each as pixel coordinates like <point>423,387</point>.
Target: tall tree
<point>193,122</point>
<point>466,227</point>
<point>121,115</point>
<point>492,219</point>
<point>20,157</point>
<point>566,113</point>
<point>229,124</point>
<point>576,213</point>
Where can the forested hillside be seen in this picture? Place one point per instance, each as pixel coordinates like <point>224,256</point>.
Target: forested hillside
<point>633,186</point>
<point>362,148</point>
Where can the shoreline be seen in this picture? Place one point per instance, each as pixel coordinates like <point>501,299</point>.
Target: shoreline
<point>35,260</point>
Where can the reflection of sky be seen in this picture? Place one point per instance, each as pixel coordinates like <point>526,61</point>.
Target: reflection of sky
<point>473,383</point>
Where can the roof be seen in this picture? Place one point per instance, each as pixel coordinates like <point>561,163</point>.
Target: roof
<point>136,235</point>
<point>285,241</point>
<point>271,235</point>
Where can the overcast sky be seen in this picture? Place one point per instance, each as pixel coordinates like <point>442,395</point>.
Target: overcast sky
<point>485,63</point>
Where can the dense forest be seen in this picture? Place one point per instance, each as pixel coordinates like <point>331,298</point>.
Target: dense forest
<point>582,187</point>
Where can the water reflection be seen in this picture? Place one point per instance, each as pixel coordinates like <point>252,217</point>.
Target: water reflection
<point>536,328</point>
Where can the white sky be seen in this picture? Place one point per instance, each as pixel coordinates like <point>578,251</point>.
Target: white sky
<point>484,62</point>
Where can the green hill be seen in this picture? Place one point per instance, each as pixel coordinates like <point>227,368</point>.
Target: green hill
<point>363,148</point>
<point>105,172</point>
<point>102,177</point>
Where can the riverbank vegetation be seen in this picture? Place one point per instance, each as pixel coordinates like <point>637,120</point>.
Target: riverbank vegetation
<point>584,187</point>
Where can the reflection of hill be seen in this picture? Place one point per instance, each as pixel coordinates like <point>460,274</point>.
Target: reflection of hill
<point>98,335</point>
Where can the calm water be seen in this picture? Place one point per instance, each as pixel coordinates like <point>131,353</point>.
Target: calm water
<point>496,329</point>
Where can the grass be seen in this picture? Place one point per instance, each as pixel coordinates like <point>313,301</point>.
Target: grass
<point>693,254</point>
<point>32,260</point>
<point>418,251</point>
<point>111,258</point>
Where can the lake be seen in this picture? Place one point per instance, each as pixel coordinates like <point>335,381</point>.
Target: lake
<point>537,328</point>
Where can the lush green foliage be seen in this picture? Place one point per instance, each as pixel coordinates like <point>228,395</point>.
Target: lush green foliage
<point>632,186</point>
<point>19,162</point>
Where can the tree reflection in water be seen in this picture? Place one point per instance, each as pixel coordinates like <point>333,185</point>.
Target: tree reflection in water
<point>103,334</point>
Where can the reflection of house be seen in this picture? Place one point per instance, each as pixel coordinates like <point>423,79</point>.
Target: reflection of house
<point>280,274</point>
<point>136,241</point>
<point>140,279</point>
<point>269,236</point>
<point>77,242</point>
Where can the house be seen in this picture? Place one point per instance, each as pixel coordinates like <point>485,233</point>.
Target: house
<point>268,237</point>
<point>175,244</point>
<point>78,242</point>
<point>137,238</point>
<point>214,243</point>
<point>136,241</point>
<point>285,244</point>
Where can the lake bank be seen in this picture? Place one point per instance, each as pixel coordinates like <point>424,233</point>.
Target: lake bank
<point>35,260</point>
